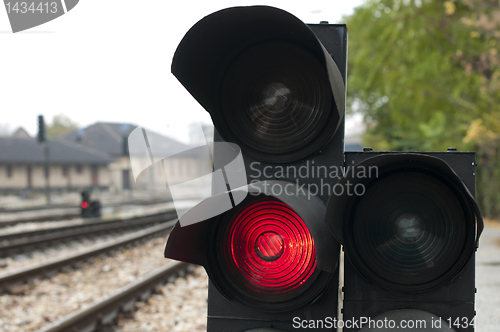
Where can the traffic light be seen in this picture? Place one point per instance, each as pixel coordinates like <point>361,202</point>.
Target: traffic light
<point>270,259</point>
<point>275,87</point>
<point>409,228</point>
<point>88,208</point>
<point>41,129</point>
<point>96,208</point>
<point>85,210</point>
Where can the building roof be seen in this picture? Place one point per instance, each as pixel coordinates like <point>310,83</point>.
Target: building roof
<point>112,138</point>
<point>21,133</point>
<point>30,151</point>
<point>103,136</point>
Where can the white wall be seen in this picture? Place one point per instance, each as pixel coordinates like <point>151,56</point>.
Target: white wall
<point>19,176</point>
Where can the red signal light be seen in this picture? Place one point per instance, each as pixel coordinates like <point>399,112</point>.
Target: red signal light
<point>85,205</point>
<point>268,249</point>
<point>269,246</point>
<point>271,252</point>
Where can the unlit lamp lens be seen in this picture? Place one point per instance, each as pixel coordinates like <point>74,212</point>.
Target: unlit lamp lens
<point>409,232</point>
<point>409,227</point>
<point>276,102</point>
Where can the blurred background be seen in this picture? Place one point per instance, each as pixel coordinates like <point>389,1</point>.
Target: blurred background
<point>422,76</point>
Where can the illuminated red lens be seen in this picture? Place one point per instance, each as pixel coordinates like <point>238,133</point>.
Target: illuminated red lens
<point>85,205</point>
<point>269,248</point>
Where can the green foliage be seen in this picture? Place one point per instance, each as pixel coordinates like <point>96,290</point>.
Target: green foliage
<point>423,71</point>
<point>60,126</point>
<point>488,174</point>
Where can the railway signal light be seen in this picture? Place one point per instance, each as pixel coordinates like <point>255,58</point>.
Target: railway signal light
<point>272,252</point>
<point>96,208</point>
<point>85,205</point>
<point>88,208</point>
<point>268,83</point>
<point>409,239</point>
<point>275,87</point>
<point>41,129</point>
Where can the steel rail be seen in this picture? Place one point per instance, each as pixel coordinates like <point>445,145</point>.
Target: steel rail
<point>105,310</point>
<point>15,278</point>
<point>16,243</point>
<point>65,212</point>
<point>105,203</point>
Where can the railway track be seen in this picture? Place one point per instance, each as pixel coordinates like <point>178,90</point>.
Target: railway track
<point>16,243</point>
<point>14,218</point>
<point>105,202</point>
<point>11,280</point>
<point>105,310</point>
<point>57,212</point>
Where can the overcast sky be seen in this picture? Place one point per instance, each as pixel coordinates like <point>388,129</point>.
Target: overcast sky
<point>110,61</point>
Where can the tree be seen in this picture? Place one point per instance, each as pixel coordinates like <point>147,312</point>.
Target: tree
<point>425,74</point>
<point>60,126</point>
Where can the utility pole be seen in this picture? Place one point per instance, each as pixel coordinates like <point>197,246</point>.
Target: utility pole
<point>42,139</point>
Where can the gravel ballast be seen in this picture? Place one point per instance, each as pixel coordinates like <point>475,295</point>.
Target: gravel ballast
<point>43,301</point>
<point>180,306</point>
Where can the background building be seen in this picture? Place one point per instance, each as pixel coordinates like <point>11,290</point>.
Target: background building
<point>95,157</point>
<point>72,166</point>
<point>184,164</point>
